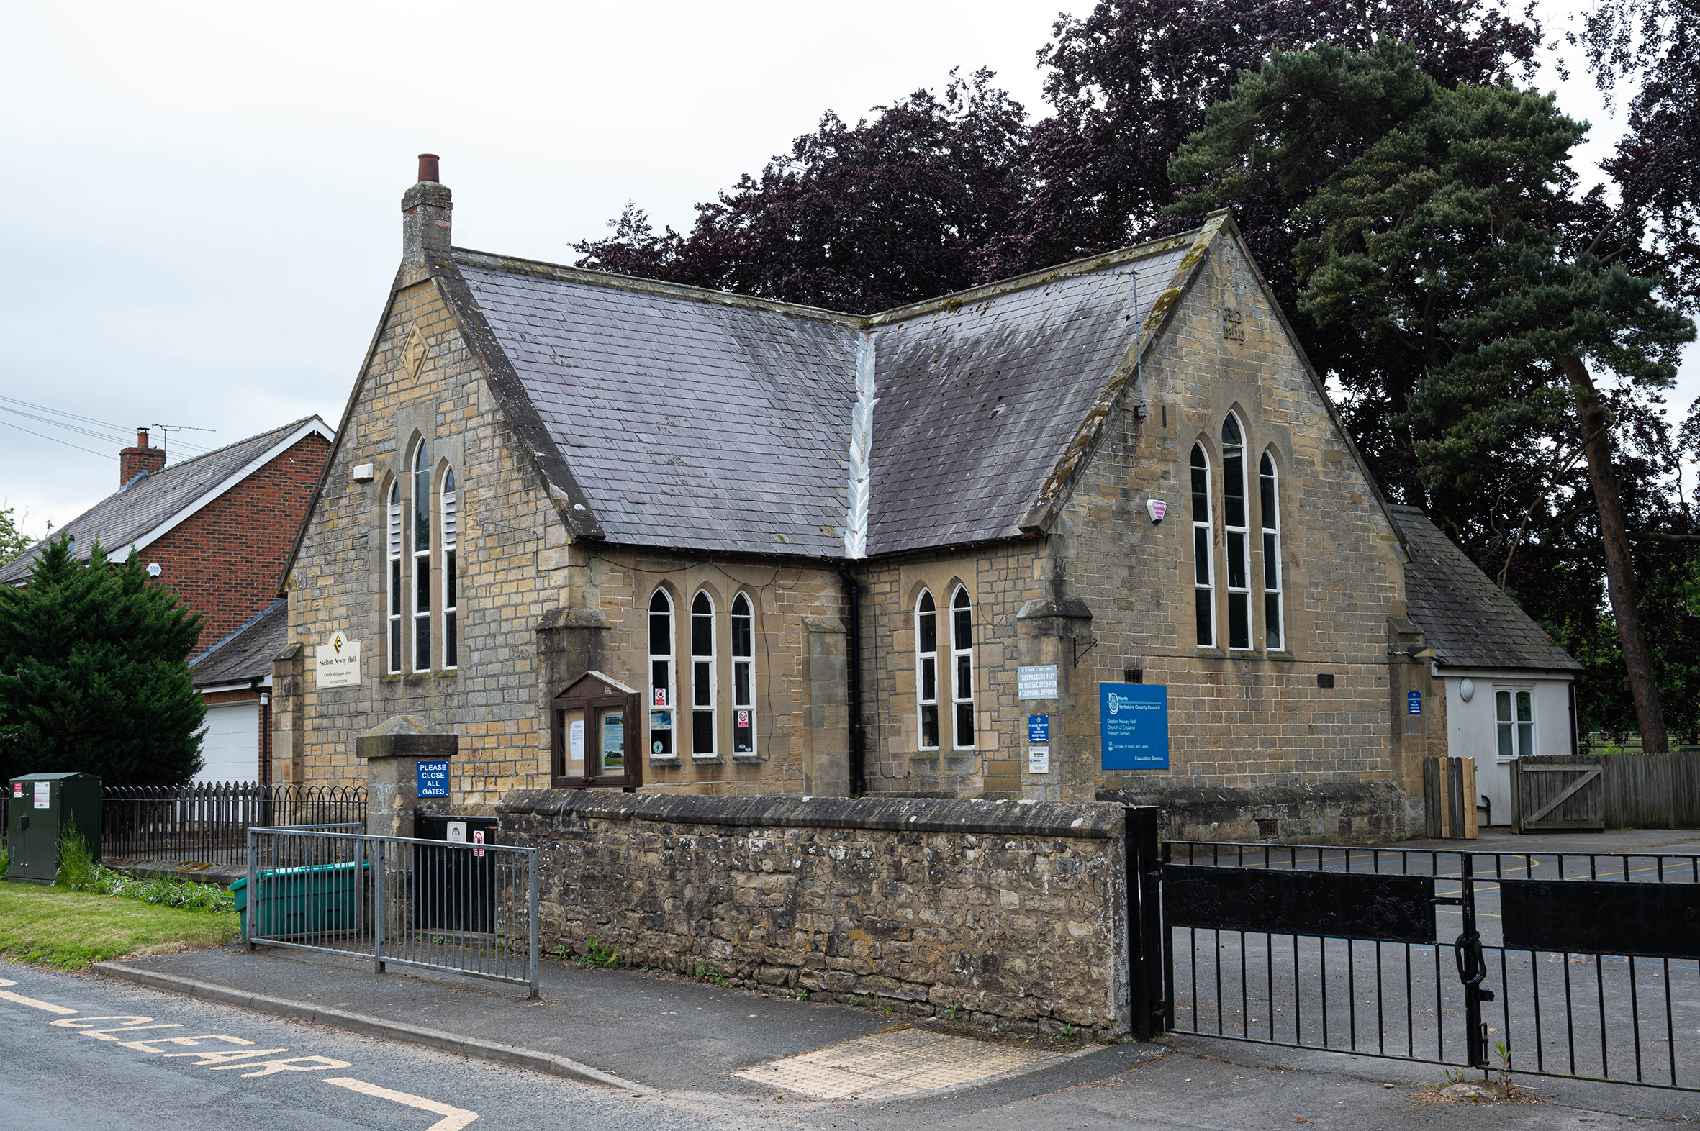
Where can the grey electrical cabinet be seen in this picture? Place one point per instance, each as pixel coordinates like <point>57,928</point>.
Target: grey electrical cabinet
<point>41,809</point>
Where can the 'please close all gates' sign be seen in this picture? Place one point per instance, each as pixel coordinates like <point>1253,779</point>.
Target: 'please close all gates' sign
<point>1133,726</point>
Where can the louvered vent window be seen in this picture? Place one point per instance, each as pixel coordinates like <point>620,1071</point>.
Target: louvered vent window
<point>449,572</point>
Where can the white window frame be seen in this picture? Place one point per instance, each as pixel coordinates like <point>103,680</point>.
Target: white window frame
<point>747,665</point>
<point>1204,524</point>
<point>448,518</point>
<point>394,644</point>
<point>1514,729</point>
<point>672,706</point>
<point>710,662</point>
<point>421,560</point>
<point>1270,519</point>
<point>1242,531</point>
<point>921,660</point>
<point>958,652</point>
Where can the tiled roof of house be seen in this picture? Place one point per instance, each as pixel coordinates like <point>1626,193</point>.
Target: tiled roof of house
<point>150,501</point>
<point>247,652</point>
<point>1468,620</point>
<point>695,419</point>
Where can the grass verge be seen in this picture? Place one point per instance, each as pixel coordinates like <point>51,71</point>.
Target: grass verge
<point>71,930</point>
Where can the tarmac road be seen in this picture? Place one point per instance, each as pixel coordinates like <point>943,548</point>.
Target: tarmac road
<point>80,1053</point>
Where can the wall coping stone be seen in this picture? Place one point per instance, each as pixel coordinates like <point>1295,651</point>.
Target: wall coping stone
<point>1064,608</point>
<point>1082,820</point>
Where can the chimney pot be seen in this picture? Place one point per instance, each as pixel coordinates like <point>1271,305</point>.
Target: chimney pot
<point>426,208</point>
<point>141,437</point>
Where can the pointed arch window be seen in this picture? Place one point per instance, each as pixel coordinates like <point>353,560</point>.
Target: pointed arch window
<point>705,708</point>
<point>1203,570</point>
<point>962,669</point>
<point>661,675</point>
<point>421,560</point>
<point>449,518</point>
<point>392,579</point>
<point>926,672</point>
<point>1235,527</point>
<point>1269,498</point>
<point>743,675</point>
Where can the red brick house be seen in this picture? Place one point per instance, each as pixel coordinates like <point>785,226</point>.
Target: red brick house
<point>215,529</point>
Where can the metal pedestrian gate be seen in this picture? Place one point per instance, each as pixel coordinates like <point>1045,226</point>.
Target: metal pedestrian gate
<point>1583,965</point>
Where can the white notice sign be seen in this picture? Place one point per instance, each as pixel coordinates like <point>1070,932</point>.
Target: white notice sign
<point>43,794</point>
<point>1036,681</point>
<point>575,740</point>
<point>1038,759</point>
<point>457,832</point>
<point>338,661</point>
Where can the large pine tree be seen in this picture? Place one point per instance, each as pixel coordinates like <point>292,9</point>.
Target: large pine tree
<point>93,675</point>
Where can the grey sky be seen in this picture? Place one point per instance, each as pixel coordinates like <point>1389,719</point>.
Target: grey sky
<point>202,200</point>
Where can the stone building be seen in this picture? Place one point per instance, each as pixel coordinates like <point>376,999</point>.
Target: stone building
<point>621,532</point>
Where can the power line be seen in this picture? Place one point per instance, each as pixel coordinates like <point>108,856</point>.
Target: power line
<point>61,412</point>
<point>57,440</point>
<point>51,423</point>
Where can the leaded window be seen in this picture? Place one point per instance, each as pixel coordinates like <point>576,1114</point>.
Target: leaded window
<point>1269,496</point>
<point>743,675</point>
<point>661,704</point>
<point>962,669</point>
<point>704,689</point>
<point>421,560</point>
<point>1203,568</point>
<point>449,517</point>
<point>926,672</point>
<point>1236,533</point>
<point>392,579</point>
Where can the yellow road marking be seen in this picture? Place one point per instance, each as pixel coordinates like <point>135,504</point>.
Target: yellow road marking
<point>32,1003</point>
<point>453,1118</point>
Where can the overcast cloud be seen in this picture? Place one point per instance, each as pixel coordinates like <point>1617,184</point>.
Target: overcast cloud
<point>201,201</point>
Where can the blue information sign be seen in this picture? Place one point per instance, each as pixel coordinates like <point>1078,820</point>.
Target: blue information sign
<point>1133,726</point>
<point>1414,703</point>
<point>431,779</point>
<point>1038,729</point>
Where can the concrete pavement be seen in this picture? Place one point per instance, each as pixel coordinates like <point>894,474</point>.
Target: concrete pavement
<point>703,1049</point>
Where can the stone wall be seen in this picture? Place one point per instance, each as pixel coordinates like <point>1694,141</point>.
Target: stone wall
<point>1297,741</point>
<point>513,556</point>
<point>1008,916</point>
<point>801,731</point>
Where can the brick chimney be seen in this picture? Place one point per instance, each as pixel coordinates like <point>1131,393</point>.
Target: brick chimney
<point>425,212</point>
<point>139,458</point>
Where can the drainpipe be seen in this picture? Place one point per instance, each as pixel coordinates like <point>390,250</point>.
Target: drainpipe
<point>853,680</point>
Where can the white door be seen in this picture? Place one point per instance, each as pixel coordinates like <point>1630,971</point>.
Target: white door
<point>230,744</point>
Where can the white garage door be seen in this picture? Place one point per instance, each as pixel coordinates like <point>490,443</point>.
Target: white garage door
<point>230,744</point>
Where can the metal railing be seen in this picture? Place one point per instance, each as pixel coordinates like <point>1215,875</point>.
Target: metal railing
<point>442,905</point>
<point>1580,964</point>
<point>208,823</point>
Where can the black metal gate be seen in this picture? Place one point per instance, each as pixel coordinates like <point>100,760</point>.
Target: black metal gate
<point>1582,965</point>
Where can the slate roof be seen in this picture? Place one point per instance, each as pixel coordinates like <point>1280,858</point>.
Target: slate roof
<point>686,422</point>
<point>695,419</point>
<point>1468,620</point>
<point>147,502</point>
<point>978,401</point>
<point>247,652</point>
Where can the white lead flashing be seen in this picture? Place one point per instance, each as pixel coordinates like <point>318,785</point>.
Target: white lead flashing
<point>861,452</point>
<point>315,426</point>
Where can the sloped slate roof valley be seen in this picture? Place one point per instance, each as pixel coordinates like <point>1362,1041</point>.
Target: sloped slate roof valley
<point>697,420</point>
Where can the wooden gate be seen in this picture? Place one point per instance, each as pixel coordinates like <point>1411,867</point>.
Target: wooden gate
<point>1551,794</point>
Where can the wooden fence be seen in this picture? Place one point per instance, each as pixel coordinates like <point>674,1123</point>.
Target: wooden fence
<point>1632,791</point>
